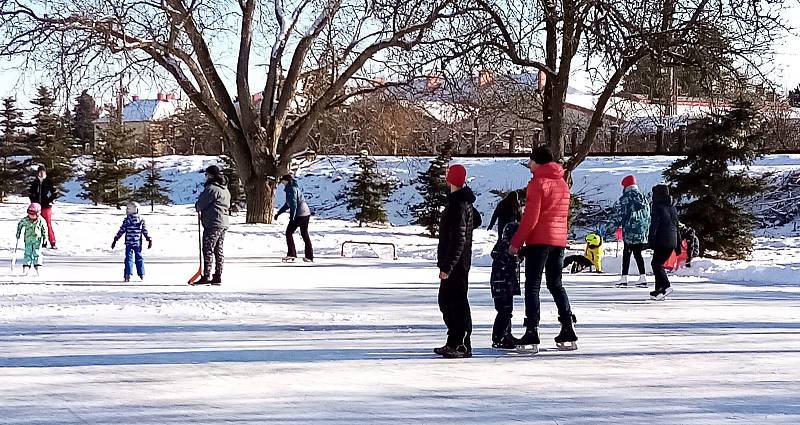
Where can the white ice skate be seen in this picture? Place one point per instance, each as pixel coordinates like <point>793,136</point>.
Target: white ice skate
<point>567,346</point>
<point>622,282</point>
<point>288,259</point>
<point>527,349</point>
<point>663,296</point>
<point>642,283</point>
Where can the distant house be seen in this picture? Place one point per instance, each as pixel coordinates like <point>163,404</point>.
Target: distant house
<point>141,114</point>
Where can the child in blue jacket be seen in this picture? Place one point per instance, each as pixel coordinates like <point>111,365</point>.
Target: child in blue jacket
<point>134,229</point>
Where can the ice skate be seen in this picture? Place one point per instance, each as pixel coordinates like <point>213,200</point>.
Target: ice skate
<point>460,352</point>
<point>566,340</point>
<point>308,260</point>
<point>529,343</point>
<point>642,283</point>
<point>288,259</point>
<point>216,280</point>
<point>202,281</point>
<point>622,282</point>
<point>127,279</point>
<point>25,269</point>
<point>662,295</point>
<point>506,342</point>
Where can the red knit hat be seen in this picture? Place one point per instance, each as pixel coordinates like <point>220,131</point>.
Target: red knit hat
<point>457,175</point>
<point>628,181</point>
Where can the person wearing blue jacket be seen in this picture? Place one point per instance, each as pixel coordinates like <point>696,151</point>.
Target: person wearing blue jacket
<point>134,228</point>
<point>299,217</point>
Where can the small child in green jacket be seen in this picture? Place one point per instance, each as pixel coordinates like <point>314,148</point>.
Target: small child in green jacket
<point>35,233</point>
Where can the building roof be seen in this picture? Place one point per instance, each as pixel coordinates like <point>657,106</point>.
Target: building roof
<point>144,110</point>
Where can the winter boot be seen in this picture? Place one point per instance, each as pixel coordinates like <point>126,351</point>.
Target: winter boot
<point>44,244</point>
<point>216,280</point>
<point>439,350</point>
<point>622,282</point>
<point>460,352</point>
<point>202,281</point>
<point>25,269</point>
<point>566,340</point>
<point>127,279</point>
<point>642,283</point>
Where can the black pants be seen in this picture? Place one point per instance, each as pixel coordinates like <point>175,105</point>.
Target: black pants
<point>504,306</point>
<point>660,255</point>
<point>550,260</point>
<point>302,224</point>
<point>636,250</point>
<point>454,305</point>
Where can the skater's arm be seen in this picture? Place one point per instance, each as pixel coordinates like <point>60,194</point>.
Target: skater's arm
<point>204,201</point>
<point>122,229</point>
<point>43,227</point>
<point>654,223</point>
<point>530,217</point>
<point>291,202</point>
<point>144,231</point>
<point>458,238</point>
<point>494,218</point>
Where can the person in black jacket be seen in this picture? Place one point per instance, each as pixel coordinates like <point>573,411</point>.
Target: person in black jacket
<point>663,238</point>
<point>454,258</point>
<point>43,192</point>
<point>507,211</point>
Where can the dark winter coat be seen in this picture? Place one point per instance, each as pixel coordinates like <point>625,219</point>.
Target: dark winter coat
<point>664,232</point>
<point>632,213</point>
<point>214,204</point>
<point>43,192</point>
<point>506,211</point>
<point>504,280</point>
<point>295,202</point>
<point>459,219</point>
<point>133,228</point>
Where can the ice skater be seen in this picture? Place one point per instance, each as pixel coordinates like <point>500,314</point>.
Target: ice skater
<point>34,229</point>
<point>134,228</point>
<point>507,211</point>
<point>213,205</point>
<point>43,193</point>
<point>299,217</point>
<point>504,282</point>
<point>664,237</point>
<point>632,213</point>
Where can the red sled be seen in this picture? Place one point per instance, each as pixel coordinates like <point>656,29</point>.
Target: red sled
<point>677,262</point>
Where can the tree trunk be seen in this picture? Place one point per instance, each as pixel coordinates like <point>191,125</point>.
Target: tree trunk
<point>260,199</point>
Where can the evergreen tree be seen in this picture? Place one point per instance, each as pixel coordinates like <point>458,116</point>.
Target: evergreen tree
<point>234,183</point>
<point>153,191</point>
<point>104,183</point>
<point>52,140</point>
<point>368,191</point>
<point>12,173</point>
<point>432,186</point>
<point>84,114</point>
<point>713,193</point>
<point>794,97</point>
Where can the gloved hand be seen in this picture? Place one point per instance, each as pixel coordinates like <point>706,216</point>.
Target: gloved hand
<point>113,244</point>
<point>276,216</point>
<point>149,243</point>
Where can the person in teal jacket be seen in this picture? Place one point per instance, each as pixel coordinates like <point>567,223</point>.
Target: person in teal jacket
<point>34,229</point>
<point>632,213</point>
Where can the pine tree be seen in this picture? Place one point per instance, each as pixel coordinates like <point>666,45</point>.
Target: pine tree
<point>52,140</point>
<point>84,114</point>
<point>432,186</point>
<point>234,183</point>
<point>12,173</point>
<point>153,191</point>
<point>713,194</point>
<point>104,183</point>
<point>368,191</point>
<point>794,97</point>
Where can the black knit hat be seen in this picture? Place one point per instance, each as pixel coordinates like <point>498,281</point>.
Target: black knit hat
<point>212,170</point>
<point>41,168</point>
<point>542,155</point>
<point>287,178</point>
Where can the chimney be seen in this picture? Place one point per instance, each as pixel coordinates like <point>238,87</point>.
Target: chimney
<point>161,97</point>
<point>541,80</point>
<point>433,82</point>
<point>135,97</point>
<point>485,77</point>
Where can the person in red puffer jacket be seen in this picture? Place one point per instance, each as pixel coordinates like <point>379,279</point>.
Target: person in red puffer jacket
<point>543,231</point>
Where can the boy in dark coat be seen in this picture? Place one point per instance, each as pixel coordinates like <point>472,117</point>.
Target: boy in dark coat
<point>504,282</point>
<point>454,258</point>
<point>663,238</point>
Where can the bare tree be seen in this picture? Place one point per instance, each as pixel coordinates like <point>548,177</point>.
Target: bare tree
<point>310,50</point>
<point>609,37</point>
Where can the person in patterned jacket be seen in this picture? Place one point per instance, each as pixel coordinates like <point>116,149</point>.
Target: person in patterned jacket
<point>632,213</point>
<point>134,229</point>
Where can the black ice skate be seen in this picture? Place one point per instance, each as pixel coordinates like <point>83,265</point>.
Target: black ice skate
<point>529,343</point>
<point>660,295</point>
<point>202,281</point>
<point>566,340</point>
<point>216,280</point>
<point>506,342</point>
<point>460,352</point>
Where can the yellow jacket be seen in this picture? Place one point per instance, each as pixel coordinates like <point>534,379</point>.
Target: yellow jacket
<point>595,254</point>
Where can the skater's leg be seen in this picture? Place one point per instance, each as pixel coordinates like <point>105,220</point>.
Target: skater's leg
<point>309,250</point>
<point>445,299</point>
<point>459,329</point>
<point>209,240</point>
<point>626,258</point>
<point>552,270</point>
<point>128,260</point>
<point>47,215</point>
<point>504,305</point>
<point>139,261</point>
<point>219,253</point>
<point>291,251</point>
<point>660,255</point>
<point>637,254</point>
<point>32,253</point>
<point>535,259</point>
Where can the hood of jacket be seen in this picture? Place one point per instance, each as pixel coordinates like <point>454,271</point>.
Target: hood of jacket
<point>465,194</point>
<point>551,170</point>
<point>661,195</point>
<point>220,181</point>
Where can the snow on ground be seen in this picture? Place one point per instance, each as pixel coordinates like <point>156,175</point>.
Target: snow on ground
<point>348,340</point>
